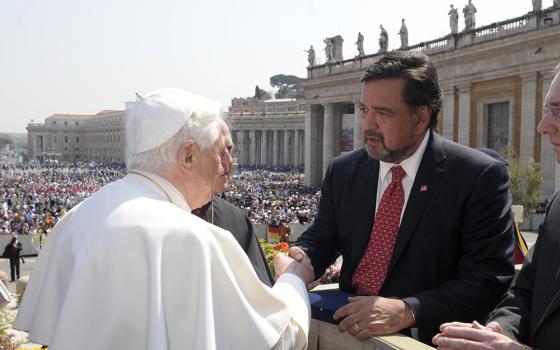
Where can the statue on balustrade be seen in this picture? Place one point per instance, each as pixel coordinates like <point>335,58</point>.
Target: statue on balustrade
<point>383,40</point>
<point>329,49</point>
<point>453,19</point>
<point>537,5</point>
<point>403,34</point>
<point>468,11</point>
<point>556,3</point>
<point>360,44</point>
<point>310,56</point>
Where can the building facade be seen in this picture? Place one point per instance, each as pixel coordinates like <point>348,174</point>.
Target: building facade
<point>494,81</point>
<point>78,138</point>
<point>268,133</point>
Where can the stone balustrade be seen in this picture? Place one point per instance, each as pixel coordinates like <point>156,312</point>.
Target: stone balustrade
<point>530,22</point>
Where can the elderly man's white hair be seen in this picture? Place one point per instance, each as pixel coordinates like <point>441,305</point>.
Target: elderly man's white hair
<point>158,124</point>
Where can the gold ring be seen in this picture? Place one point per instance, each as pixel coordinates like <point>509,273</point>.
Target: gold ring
<point>356,327</point>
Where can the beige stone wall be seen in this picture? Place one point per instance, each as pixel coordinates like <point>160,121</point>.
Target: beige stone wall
<point>78,138</point>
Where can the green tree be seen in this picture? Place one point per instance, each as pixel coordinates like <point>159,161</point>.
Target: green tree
<point>6,138</point>
<point>525,181</point>
<point>286,85</point>
<point>261,94</point>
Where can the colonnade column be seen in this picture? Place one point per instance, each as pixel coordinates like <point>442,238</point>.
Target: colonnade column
<point>253,139</point>
<point>264,149</point>
<point>286,146</point>
<point>313,155</point>
<point>548,156</point>
<point>448,111</point>
<point>295,159</point>
<point>241,140</point>
<point>528,108</point>
<point>328,126</point>
<point>465,114</point>
<point>358,137</point>
<point>275,148</point>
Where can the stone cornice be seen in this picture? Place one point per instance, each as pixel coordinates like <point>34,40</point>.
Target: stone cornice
<point>485,51</point>
<point>332,80</point>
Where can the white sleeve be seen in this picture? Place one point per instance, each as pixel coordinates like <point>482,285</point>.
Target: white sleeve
<point>291,289</point>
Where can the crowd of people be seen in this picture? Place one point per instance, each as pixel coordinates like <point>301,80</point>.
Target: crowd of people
<point>273,198</point>
<point>33,197</point>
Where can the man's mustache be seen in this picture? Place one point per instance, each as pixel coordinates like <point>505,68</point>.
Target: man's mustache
<point>374,134</point>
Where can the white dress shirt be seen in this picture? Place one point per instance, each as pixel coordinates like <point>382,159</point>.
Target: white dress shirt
<point>410,166</point>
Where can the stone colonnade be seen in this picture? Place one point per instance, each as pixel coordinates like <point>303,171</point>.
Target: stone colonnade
<point>327,137</point>
<point>270,147</point>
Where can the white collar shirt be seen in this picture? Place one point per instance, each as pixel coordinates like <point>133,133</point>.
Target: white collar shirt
<point>409,165</point>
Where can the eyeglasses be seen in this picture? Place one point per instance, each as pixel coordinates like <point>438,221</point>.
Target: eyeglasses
<point>552,111</point>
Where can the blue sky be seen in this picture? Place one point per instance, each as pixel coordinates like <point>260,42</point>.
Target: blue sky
<point>81,57</point>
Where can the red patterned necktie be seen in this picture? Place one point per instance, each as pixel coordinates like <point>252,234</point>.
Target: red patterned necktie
<point>372,269</point>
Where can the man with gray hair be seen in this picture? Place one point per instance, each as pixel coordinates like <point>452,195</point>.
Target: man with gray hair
<point>112,273</point>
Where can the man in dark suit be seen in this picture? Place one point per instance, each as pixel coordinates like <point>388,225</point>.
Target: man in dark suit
<point>446,250</point>
<point>529,311</point>
<point>227,216</point>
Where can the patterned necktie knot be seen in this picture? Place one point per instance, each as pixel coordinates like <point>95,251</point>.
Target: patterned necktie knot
<point>397,174</point>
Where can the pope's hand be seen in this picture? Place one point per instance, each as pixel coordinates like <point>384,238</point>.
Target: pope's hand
<point>302,268</point>
<point>297,253</point>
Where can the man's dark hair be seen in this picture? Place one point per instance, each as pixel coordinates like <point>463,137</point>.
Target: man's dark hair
<point>422,87</point>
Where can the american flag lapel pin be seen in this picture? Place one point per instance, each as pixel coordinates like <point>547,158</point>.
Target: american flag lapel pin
<point>423,188</point>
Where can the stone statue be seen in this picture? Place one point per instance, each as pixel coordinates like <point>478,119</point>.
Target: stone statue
<point>468,11</point>
<point>403,33</point>
<point>537,5</point>
<point>453,19</point>
<point>329,49</point>
<point>383,40</point>
<point>360,44</point>
<point>556,3</point>
<point>310,56</point>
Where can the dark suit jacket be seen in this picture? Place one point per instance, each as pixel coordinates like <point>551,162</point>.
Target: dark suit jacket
<point>454,250</point>
<point>530,310</point>
<point>231,218</point>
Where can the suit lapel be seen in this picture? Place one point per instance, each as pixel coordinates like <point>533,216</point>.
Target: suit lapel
<point>427,178</point>
<point>367,173</point>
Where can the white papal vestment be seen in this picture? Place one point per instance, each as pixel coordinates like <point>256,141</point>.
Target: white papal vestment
<point>131,268</point>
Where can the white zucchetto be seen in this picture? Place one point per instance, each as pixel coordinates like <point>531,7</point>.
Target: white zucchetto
<point>155,118</point>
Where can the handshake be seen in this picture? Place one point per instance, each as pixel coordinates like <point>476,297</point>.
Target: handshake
<point>295,262</point>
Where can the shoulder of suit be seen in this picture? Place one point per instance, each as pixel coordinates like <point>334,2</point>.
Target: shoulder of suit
<point>352,157</point>
<point>469,157</point>
<point>224,205</point>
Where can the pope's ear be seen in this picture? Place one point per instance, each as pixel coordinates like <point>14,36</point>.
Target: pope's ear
<point>185,156</point>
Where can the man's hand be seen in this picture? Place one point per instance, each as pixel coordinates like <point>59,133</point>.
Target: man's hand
<point>474,336</point>
<point>297,253</point>
<point>366,316</point>
<point>303,268</point>
<point>331,272</point>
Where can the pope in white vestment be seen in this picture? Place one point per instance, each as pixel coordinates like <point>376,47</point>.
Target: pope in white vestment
<point>132,268</point>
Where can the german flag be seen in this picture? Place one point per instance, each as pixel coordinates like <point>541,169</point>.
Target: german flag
<point>273,233</point>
